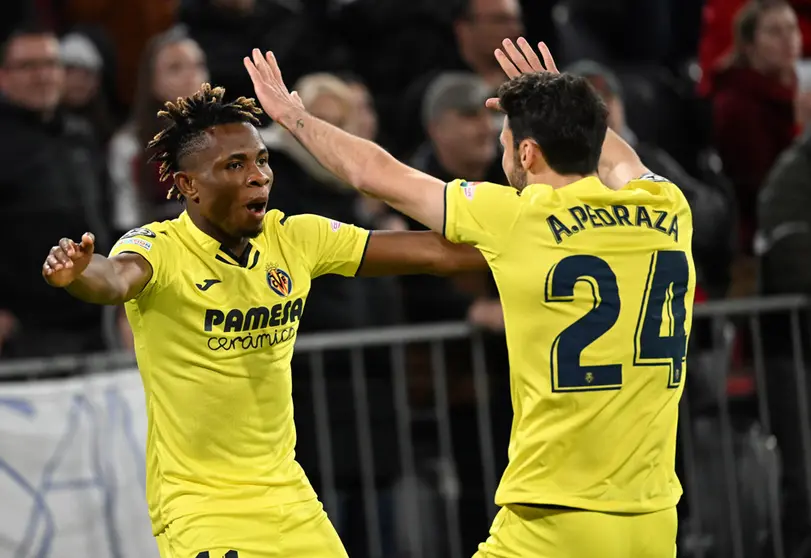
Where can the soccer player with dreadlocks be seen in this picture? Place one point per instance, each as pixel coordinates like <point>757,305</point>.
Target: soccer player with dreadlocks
<point>214,299</point>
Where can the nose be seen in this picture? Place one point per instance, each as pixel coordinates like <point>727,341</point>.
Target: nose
<point>260,178</point>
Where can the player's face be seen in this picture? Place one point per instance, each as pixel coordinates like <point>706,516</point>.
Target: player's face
<point>510,160</point>
<point>231,180</point>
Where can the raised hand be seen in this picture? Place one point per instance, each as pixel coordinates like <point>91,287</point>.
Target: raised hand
<point>66,261</point>
<point>269,86</point>
<point>522,60</point>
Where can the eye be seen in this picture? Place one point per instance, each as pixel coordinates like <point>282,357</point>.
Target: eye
<point>234,165</point>
<point>262,161</point>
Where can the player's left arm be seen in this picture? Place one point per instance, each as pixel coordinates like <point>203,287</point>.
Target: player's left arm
<point>332,247</point>
<point>361,163</point>
<point>407,253</point>
<point>619,163</point>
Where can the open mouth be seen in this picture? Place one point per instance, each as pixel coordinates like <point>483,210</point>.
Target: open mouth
<point>257,208</point>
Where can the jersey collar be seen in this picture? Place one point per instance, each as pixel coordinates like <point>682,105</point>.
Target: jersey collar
<point>249,258</point>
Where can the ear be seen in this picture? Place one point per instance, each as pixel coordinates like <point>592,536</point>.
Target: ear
<point>186,185</point>
<point>530,155</point>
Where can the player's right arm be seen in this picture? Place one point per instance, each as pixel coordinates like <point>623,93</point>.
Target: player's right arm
<point>358,162</point>
<point>619,162</point>
<point>92,277</point>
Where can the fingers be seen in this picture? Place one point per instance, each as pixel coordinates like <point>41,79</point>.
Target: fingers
<point>548,61</point>
<point>518,59</point>
<point>256,78</point>
<point>529,54</point>
<point>65,252</point>
<point>506,65</point>
<point>262,66</point>
<point>68,247</point>
<point>275,71</point>
<point>58,260</point>
<point>88,242</point>
<point>523,60</point>
<point>493,104</point>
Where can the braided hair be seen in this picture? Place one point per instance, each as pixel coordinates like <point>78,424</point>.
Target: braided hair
<point>188,118</point>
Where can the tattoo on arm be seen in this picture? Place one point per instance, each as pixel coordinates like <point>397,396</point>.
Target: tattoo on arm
<point>300,123</point>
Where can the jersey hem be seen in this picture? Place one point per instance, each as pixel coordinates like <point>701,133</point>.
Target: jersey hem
<point>607,506</point>
<point>220,507</point>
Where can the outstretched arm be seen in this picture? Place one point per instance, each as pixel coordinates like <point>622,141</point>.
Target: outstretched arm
<point>361,163</point>
<point>408,253</point>
<point>619,163</point>
<point>93,278</point>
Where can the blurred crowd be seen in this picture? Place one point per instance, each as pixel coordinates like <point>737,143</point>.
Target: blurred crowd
<point>714,95</point>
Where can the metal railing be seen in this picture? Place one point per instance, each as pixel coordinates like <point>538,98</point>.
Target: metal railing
<point>733,500</point>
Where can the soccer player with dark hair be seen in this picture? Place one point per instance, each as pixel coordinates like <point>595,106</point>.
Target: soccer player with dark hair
<point>214,299</point>
<point>591,254</point>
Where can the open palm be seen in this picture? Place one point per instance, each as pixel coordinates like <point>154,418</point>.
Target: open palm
<point>269,87</point>
<point>522,60</point>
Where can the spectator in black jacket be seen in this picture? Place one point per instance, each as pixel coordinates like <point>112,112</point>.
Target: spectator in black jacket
<point>784,244</point>
<point>462,143</point>
<point>51,185</point>
<point>784,223</point>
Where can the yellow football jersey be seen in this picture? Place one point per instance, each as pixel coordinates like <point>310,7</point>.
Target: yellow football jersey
<point>214,335</point>
<point>597,291</point>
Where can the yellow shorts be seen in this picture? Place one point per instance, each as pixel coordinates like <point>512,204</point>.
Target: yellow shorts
<point>302,530</point>
<point>523,531</point>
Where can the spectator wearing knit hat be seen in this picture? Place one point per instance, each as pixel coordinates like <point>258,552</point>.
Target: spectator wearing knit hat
<point>83,94</point>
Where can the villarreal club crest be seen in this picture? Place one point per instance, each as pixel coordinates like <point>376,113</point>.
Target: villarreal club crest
<point>279,280</point>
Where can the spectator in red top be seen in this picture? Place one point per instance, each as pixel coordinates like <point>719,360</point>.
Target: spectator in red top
<point>717,34</point>
<point>753,98</point>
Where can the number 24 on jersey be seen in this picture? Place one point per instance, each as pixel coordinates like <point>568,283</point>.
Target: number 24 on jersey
<point>666,287</point>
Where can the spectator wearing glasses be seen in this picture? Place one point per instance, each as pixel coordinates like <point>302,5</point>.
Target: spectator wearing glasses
<point>51,185</point>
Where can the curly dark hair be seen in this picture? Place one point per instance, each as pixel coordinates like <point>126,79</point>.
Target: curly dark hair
<point>188,118</point>
<point>562,113</point>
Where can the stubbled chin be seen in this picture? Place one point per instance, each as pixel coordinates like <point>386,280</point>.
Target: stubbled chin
<point>255,232</point>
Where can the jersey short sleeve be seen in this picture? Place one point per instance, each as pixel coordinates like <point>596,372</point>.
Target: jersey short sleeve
<point>480,213</point>
<point>330,247</point>
<point>148,243</point>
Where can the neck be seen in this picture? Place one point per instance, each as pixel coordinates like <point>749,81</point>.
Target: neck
<point>236,245</point>
<point>554,179</point>
<point>475,171</point>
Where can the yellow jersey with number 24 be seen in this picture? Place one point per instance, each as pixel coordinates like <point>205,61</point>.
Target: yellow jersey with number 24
<point>597,292</point>
<point>214,337</point>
